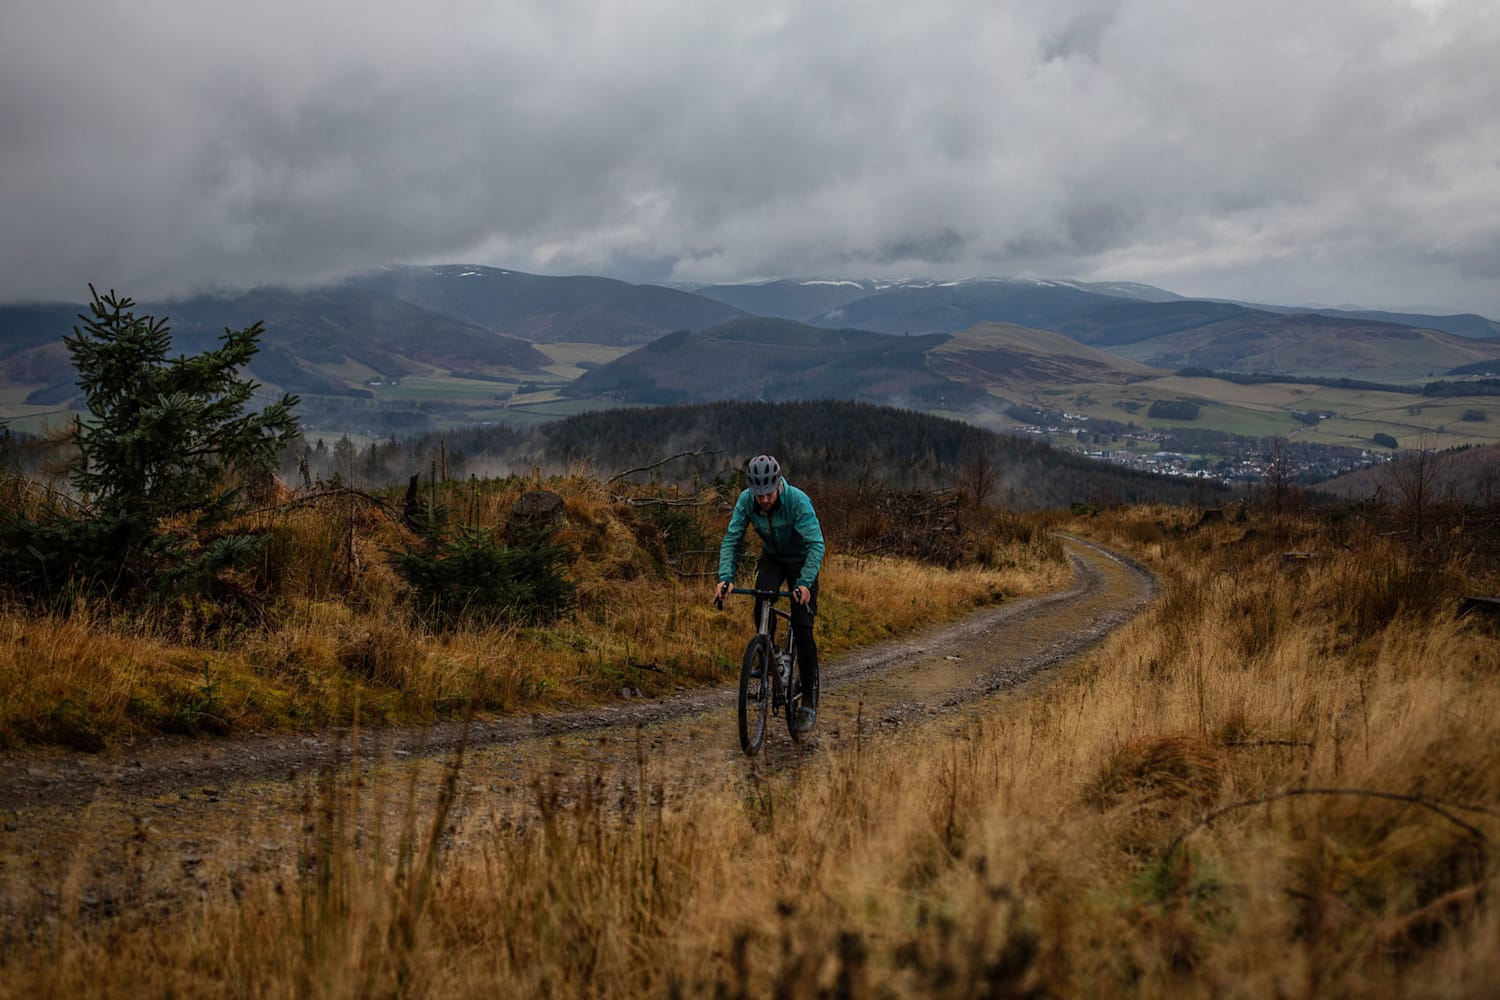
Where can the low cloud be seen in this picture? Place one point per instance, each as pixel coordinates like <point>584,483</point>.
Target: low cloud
<point>1338,152</point>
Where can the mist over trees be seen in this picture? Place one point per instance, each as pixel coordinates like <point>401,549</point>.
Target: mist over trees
<point>818,443</point>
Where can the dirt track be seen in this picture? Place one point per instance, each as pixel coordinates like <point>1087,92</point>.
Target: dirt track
<point>190,799</point>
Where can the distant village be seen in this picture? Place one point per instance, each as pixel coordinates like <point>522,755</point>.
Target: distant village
<point>1228,459</point>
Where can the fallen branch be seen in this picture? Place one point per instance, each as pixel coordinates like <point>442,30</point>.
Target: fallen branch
<point>664,502</point>
<point>309,499</point>
<point>656,465</point>
<point>1440,808</point>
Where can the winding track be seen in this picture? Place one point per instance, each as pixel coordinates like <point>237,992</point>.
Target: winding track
<point>219,798</point>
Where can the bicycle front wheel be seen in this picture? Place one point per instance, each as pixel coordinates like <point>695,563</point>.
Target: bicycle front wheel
<point>755,694</point>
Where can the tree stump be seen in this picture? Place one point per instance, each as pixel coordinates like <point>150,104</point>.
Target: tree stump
<point>539,512</point>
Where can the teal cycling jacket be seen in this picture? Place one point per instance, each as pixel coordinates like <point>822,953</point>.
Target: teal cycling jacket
<point>790,533</point>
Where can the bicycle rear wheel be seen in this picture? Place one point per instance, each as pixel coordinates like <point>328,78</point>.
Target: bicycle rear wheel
<point>755,694</point>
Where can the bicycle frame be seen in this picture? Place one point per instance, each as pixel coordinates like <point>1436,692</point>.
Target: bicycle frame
<point>769,612</point>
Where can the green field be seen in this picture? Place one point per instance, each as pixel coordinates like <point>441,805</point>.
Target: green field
<point>570,358</point>
<point>446,387</point>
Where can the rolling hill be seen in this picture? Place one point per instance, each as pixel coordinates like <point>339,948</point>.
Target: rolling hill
<point>1458,324</point>
<point>549,309</point>
<point>1172,332</point>
<point>801,299</point>
<point>1014,361</point>
<point>776,360</point>
<point>951,306</point>
<point>325,342</point>
<point>910,305</point>
<point>1194,334</point>
<point>982,368</point>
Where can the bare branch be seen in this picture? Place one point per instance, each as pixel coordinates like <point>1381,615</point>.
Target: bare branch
<point>348,491</point>
<point>656,465</point>
<point>1440,808</point>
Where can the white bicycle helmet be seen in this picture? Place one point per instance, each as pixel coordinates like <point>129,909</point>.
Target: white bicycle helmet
<point>763,474</point>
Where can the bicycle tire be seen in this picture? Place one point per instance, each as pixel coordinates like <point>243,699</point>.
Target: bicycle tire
<point>755,694</point>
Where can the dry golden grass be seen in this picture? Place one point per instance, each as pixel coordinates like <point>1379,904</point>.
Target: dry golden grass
<point>1260,787</point>
<point>324,631</point>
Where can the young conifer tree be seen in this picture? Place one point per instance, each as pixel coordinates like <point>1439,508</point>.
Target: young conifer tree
<point>166,435</point>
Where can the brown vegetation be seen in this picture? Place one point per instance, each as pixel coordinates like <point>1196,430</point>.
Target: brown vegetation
<point>322,631</point>
<point>1284,779</point>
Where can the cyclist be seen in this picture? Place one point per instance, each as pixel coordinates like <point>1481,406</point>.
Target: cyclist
<point>791,553</point>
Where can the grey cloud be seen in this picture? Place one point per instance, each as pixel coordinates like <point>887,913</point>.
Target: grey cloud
<point>940,248</point>
<point>1081,35</point>
<point>1263,149</point>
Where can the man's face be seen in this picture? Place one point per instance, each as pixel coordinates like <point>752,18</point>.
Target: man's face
<point>765,503</point>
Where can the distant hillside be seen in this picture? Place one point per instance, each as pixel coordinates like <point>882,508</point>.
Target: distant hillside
<point>790,298</point>
<point>32,356</point>
<point>325,342</point>
<point>1298,344</point>
<point>1120,323</point>
<point>550,309</point>
<point>1006,358</point>
<point>824,442</point>
<point>953,306</point>
<point>462,343</point>
<point>767,359</point>
<point>1468,474</point>
<point>1226,336</point>
<point>1158,328</point>
<point>1460,324</point>
<point>782,360</point>
<point>27,326</point>
<point>391,336</point>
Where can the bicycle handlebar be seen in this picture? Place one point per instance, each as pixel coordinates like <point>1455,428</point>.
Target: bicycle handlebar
<point>772,594</point>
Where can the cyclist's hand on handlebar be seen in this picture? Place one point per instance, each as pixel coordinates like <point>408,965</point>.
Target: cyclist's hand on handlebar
<point>722,591</point>
<point>801,595</point>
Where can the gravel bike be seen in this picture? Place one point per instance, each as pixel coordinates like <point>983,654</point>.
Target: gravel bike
<point>770,677</point>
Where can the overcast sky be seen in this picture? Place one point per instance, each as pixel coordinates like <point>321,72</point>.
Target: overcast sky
<point>1290,151</point>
